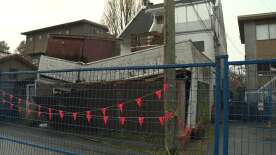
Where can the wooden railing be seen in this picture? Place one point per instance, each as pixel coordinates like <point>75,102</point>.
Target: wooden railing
<point>145,40</point>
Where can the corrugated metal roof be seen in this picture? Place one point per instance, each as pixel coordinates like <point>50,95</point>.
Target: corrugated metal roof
<point>185,54</point>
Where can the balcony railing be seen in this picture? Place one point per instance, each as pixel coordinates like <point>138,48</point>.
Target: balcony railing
<point>146,40</point>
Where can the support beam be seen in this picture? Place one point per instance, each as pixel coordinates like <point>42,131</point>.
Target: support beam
<point>169,76</point>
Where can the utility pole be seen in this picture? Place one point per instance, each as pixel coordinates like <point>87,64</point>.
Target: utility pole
<point>169,76</point>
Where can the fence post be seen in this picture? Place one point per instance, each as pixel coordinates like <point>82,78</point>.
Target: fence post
<point>217,105</point>
<point>226,105</point>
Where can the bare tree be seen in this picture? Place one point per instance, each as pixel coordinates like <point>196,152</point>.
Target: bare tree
<point>118,13</point>
<point>4,46</point>
<point>21,47</point>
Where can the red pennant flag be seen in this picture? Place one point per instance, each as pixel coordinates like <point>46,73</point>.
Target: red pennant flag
<point>165,87</point>
<point>39,111</point>
<point>19,109</point>
<point>168,116</point>
<point>74,114</point>
<point>103,111</point>
<point>11,106</point>
<point>28,107</point>
<point>120,106</point>
<point>162,120</point>
<point>28,111</point>
<point>158,94</point>
<point>122,120</point>
<point>50,114</point>
<point>105,120</point>
<point>11,98</point>
<point>3,97</point>
<point>139,101</point>
<point>19,101</point>
<point>88,116</point>
<point>141,120</point>
<point>61,115</point>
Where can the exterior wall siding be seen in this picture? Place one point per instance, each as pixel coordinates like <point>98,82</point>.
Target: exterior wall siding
<point>250,53</point>
<point>266,49</point>
<point>81,49</point>
<point>200,36</point>
<point>39,45</point>
<point>13,64</point>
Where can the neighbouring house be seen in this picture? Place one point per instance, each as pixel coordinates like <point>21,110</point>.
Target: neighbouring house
<point>17,84</point>
<point>3,54</point>
<point>15,62</point>
<point>258,34</point>
<point>37,41</point>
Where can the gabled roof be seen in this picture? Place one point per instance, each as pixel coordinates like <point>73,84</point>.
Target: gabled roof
<point>139,24</point>
<point>18,58</point>
<point>253,17</point>
<point>83,21</point>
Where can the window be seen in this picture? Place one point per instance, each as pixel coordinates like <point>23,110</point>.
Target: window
<point>262,32</point>
<point>199,45</point>
<point>13,76</point>
<point>181,14</point>
<point>159,19</point>
<point>263,67</point>
<point>266,31</point>
<point>192,16</point>
<point>67,32</point>
<point>272,31</point>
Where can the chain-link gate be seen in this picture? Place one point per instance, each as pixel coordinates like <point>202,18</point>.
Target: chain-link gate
<point>114,110</point>
<point>249,100</point>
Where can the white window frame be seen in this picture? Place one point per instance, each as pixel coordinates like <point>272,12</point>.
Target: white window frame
<point>270,30</point>
<point>261,30</point>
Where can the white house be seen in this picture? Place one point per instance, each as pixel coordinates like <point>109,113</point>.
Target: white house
<point>200,21</point>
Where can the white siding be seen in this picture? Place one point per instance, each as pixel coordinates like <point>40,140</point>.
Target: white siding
<point>203,36</point>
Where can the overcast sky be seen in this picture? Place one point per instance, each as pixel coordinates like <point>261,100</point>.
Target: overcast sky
<point>23,15</point>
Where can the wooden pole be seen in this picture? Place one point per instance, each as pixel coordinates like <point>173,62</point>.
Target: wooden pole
<point>169,76</point>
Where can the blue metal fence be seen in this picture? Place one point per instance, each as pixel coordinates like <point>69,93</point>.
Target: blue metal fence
<point>113,110</point>
<point>249,105</point>
<point>222,108</point>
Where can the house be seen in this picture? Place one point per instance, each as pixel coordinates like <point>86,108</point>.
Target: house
<point>37,40</point>
<point>13,83</point>
<point>258,34</point>
<point>199,21</point>
<point>3,54</point>
<point>15,62</point>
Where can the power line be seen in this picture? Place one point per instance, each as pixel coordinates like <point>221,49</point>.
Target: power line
<point>221,26</point>
<point>263,2</point>
<point>228,36</point>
